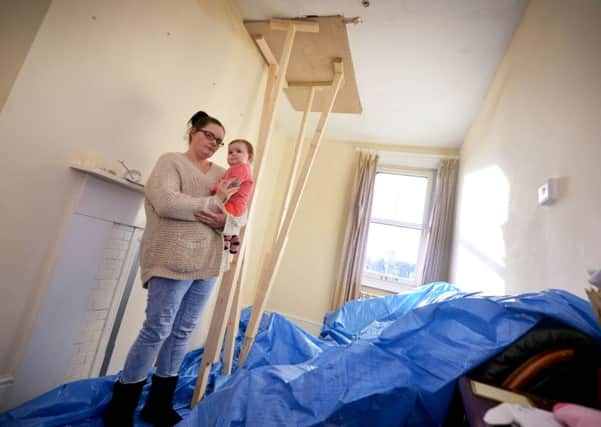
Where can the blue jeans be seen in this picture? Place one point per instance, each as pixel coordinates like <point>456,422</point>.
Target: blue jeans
<point>172,311</point>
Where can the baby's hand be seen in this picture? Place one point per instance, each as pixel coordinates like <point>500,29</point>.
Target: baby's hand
<point>234,183</point>
<point>225,190</point>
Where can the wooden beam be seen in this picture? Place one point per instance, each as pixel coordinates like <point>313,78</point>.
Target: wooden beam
<point>301,26</point>
<point>217,329</point>
<point>270,103</point>
<point>297,156</point>
<point>338,66</point>
<point>273,90</point>
<point>270,267</point>
<point>232,326</point>
<point>226,291</point>
<point>234,317</point>
<point>316,85</point>
<point>265,50</point>
<point>312,61</point>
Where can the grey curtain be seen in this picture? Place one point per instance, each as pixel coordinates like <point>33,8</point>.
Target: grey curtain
<point>351,265</point>
<point>440,234</point>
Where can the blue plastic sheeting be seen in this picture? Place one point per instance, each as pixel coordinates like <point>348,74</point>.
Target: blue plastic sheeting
<point>368,318</point>
<point>385,361</point>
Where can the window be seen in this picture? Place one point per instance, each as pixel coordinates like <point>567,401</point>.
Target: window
<point>397,229</point>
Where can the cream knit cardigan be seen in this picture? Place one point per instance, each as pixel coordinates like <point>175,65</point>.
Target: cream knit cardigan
<point>175,245</point>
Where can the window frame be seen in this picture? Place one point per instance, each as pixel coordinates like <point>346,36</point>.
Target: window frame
<point>394,284</point>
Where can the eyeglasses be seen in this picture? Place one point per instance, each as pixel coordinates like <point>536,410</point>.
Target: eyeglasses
<point>211,137</point>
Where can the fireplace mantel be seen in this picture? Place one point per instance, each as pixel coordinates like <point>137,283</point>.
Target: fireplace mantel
<point>95,259</point>
<point>105,176</point>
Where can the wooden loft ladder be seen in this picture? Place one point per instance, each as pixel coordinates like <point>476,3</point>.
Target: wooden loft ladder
<point>313,88</point>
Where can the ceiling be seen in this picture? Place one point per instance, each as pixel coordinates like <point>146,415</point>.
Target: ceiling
<point>422,66</point>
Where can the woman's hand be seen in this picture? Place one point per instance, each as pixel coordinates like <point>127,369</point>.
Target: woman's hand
<point>215,220</point>
<point>225,189</point>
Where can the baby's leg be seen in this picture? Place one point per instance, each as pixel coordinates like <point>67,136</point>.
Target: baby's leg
<point>234,244</point>
<point>227,240</point>
<point>231,231</point>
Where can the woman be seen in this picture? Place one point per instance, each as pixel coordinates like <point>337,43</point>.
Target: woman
<point>180,259</point>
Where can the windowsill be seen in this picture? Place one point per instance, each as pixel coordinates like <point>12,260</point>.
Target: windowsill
<point>387,286</point>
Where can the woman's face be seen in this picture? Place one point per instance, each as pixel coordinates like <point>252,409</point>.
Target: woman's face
<point>206,141</point>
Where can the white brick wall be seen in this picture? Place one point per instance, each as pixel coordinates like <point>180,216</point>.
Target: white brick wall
<point>86,345</point>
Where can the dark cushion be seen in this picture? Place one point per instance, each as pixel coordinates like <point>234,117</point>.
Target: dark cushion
<point>573,380</point>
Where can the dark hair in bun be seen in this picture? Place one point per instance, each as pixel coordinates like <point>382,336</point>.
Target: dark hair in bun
<point>200,119</point>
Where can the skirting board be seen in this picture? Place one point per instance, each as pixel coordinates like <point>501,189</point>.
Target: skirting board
<point>6,384</point>
<point>310,326</point>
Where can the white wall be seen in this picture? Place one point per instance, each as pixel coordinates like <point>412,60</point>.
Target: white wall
<point>540,119</point>
<point>118,79</point>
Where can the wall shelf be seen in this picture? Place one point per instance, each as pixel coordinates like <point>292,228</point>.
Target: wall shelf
<point>105,176</point>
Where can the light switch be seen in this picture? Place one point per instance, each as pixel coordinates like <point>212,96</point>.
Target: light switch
<point>547,193</point>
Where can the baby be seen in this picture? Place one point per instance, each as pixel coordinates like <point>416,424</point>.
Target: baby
<point>239,156</point>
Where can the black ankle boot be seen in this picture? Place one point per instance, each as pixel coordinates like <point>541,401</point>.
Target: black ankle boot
<point>123,404</point>
<point>158,409</point>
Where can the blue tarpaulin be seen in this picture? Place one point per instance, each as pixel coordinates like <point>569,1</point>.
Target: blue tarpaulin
<point>390,361</point>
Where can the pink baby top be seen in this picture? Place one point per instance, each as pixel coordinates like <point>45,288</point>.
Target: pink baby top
<point>237,204</point>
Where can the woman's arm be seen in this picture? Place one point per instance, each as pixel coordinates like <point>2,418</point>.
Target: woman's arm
<point>213,219</point>
<point>216,220</point>
<point>163,190</point>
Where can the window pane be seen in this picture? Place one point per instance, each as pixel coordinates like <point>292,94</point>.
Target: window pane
<point>399,197</point>
<point>392,250</point>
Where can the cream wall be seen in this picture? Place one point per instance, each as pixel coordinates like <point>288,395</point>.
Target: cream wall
<point>306,280</point>
<point>540,119</point>
<point>268,203</point>
<point>98,79</point>
<point>19,23</point>
<point>305,283</point>
<point>105,78</point>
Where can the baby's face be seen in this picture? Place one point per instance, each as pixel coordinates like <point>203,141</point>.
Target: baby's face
<point>237,152</point>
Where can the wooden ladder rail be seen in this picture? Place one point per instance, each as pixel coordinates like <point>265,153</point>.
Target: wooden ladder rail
<point>229,282</point>
<point>271,266</point>
<point>234,318</point>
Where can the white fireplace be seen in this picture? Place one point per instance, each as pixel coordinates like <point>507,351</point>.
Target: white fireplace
<point>77,325</point>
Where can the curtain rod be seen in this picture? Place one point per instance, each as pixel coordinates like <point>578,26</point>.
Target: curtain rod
<point>407,152</point>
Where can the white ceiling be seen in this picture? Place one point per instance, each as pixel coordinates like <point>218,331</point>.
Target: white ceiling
<point>422,66</point>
